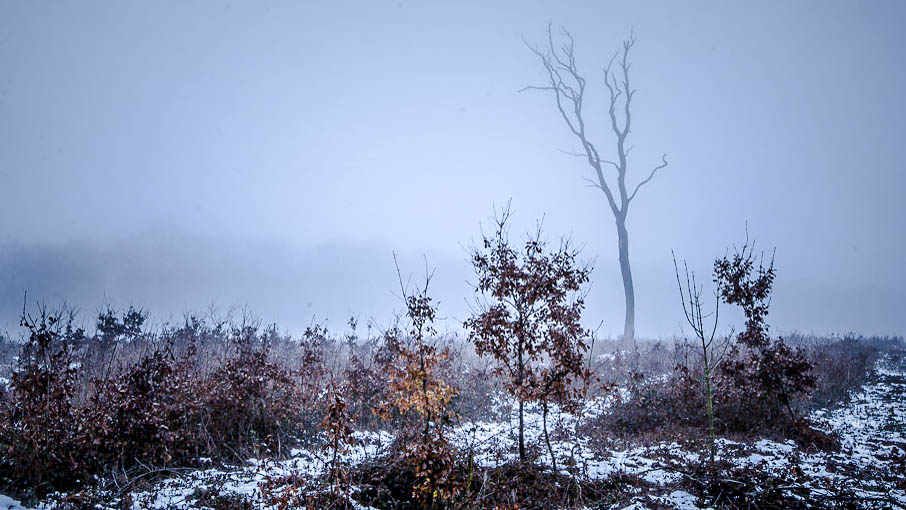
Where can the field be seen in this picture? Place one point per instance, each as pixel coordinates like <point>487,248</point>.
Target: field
<point>222,415</point>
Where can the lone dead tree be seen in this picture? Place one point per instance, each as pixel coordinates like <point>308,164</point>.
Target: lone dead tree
<point>568,87</point>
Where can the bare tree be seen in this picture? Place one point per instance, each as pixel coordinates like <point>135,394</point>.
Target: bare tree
<point>691,298</point>
<point>568,86</point>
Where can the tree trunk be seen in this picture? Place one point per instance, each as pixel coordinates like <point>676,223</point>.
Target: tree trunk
<point>709,397</point>
<point>521,433</point>
<point>547,439</point>
<point>623,236</point>
<point>520,379</point>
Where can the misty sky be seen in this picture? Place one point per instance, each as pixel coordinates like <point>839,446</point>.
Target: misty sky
<point>275,154</point>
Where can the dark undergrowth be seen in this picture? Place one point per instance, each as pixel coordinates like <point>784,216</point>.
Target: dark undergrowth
<point>666,404</point>
<point>727,486</point>
<point>509,486</point>
<point>99,415</point>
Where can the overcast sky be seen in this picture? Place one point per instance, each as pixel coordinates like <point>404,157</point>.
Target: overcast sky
<point>274,154</point>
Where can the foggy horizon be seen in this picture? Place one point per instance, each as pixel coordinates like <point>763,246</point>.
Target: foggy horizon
<point>180,155</point>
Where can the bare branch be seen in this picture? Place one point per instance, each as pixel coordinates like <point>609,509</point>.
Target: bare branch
<point>535,87</point>
<point>615,94</point>
<point>568,86</point>
<point>591,183</point>
<point>612,163</point>
<point>625,65</point>
<point>573,153</point>
<point>650,176</point>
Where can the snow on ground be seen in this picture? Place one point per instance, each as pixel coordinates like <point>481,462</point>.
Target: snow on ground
<point>873,446</point>
<point>870,427</point>
<point>176,493</point>
<point>7,503</point>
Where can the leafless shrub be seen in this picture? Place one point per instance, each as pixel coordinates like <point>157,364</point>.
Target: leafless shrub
<point>712,348</point>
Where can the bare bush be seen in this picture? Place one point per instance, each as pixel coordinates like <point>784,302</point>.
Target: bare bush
<point>711,353</point>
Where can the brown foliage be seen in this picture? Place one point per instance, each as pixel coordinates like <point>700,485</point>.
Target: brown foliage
<point>151,412</point>
<point>58,430</point>
<point>756,384</point>
<point>252,402</point>
<point>743,284</point>
<point>416,389</point>
<point>338,428</point>
<point>37,434</point>
<point>762,378</point>
<point>654,406</point>
<point>531,304</point>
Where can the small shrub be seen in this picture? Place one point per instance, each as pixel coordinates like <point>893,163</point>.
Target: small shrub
<point>416,391</point>
<point>102,353</point>
<point>367,383</point>
<point>338,429</point>
<point>60,431</point>
<point>38,431</point>
<point>150,413</point>
<point>252,403</point>
<point>840,365</point>
<point>661,406</point>
<point>760,381</point>
<point>213,499</point>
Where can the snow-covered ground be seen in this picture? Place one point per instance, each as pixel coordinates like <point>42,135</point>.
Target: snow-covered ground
<point>7,503</point>
<point>869,465</point>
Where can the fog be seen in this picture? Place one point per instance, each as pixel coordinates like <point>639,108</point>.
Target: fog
<point>181,156</point>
